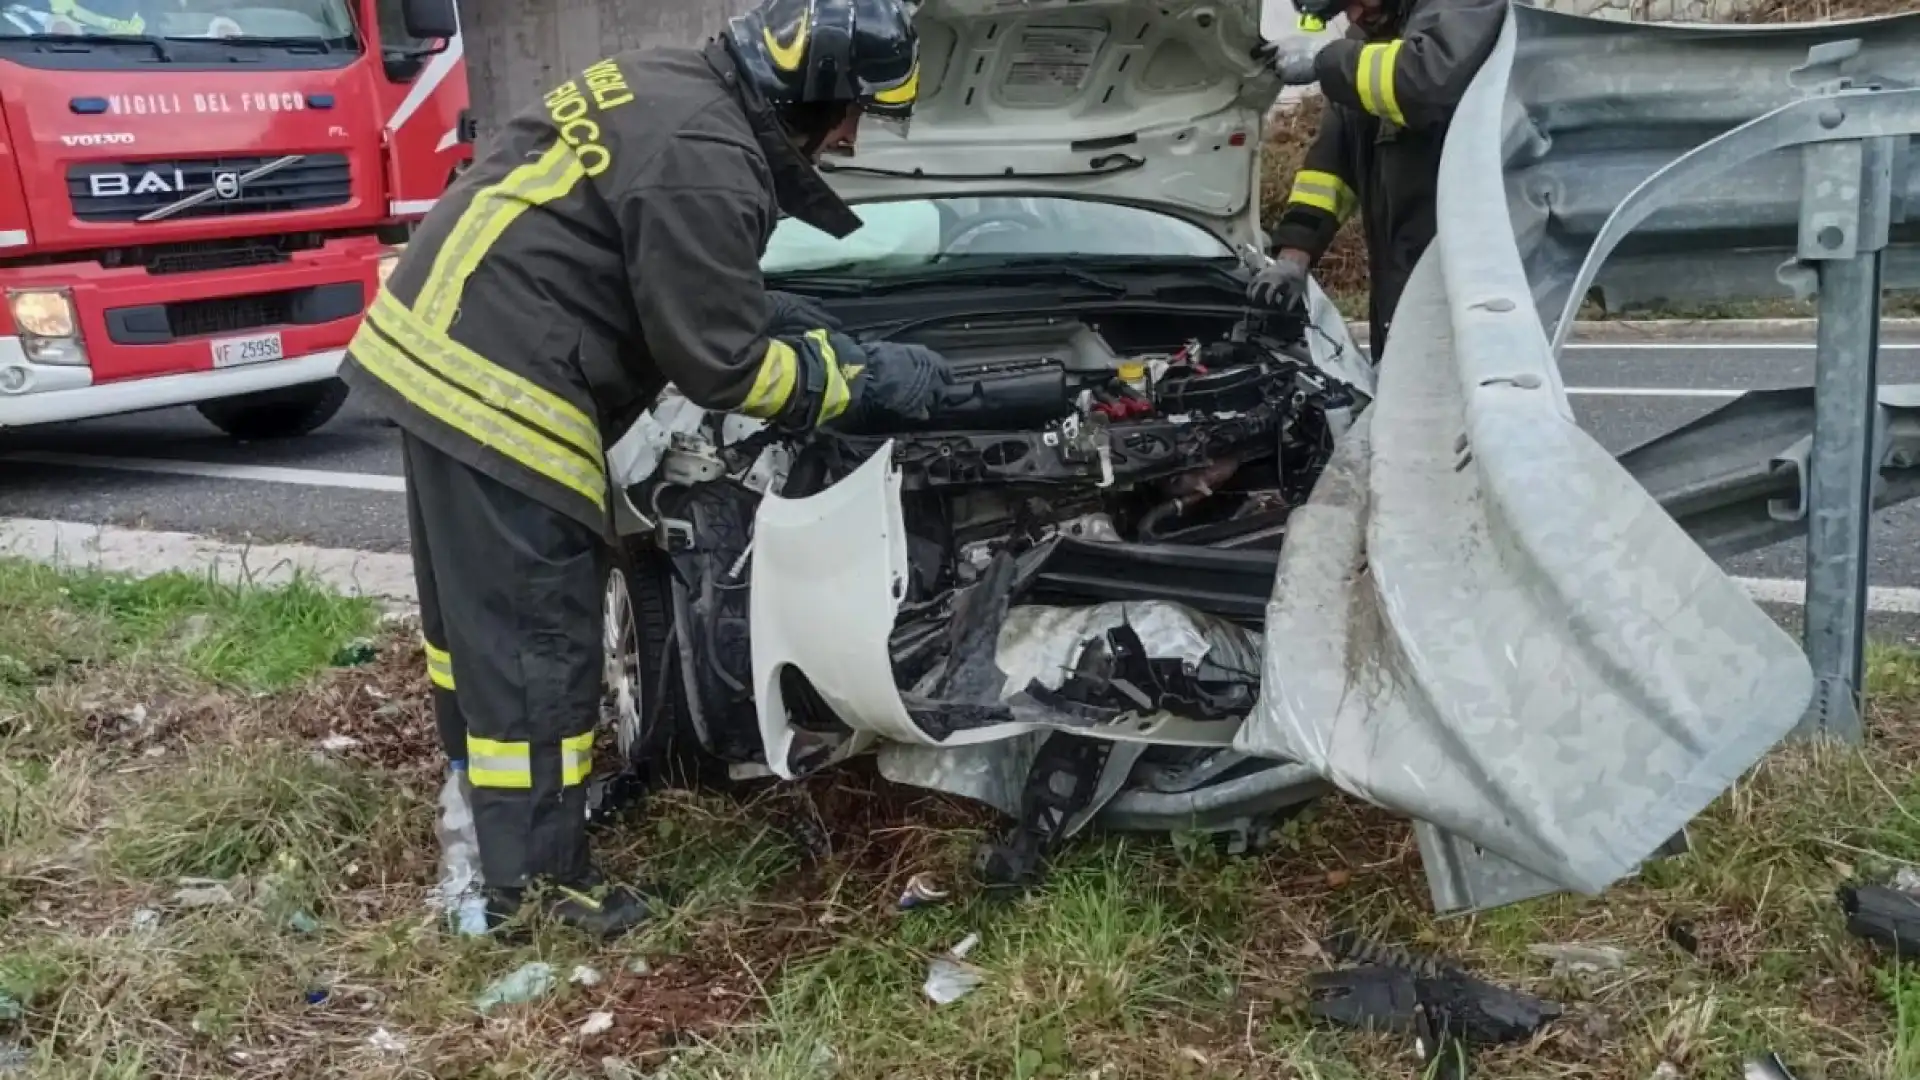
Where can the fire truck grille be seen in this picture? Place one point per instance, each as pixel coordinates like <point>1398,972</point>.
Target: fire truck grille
<point>127,192</point>
<point>226,315</point>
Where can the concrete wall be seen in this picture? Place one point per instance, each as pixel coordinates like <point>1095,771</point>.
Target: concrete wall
<point>517,50</point>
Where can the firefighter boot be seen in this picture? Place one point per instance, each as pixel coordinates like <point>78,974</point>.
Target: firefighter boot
<point>590,904</point>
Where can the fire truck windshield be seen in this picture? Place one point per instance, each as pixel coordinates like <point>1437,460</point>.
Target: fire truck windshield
<point>263,23</point>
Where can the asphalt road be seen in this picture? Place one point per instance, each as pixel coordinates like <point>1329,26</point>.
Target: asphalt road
<point>341,486</point>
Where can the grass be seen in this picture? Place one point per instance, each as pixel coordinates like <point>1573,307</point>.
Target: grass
<point>784,957</point>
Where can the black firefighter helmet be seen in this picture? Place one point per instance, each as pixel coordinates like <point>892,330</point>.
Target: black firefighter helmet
<point>826,52</point>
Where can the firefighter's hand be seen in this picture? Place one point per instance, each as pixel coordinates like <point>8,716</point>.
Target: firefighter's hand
<point>795,315</point>
<point>1281,286</point>
<point>896,382</point>
<point>1291,60</point>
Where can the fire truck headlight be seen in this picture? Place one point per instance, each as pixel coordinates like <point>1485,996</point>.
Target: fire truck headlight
<point>387,262</point>
<point>43,313</point>
<point>49,333</point>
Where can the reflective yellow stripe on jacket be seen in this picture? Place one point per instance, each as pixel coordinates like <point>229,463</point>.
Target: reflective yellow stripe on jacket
<point>779,374</point>
<point>1375,81</point>
<point>1324,191</point>
<point>452,385</point>
<point>549,177</point>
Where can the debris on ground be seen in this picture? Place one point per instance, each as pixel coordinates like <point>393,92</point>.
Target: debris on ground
<point>386,1042</point>
<point>1767,1067</point>
<point>355,653</point>
<point>529,981</point>
<point>1887,917</point>
<point>950,978</point>
<point>1390,985</point>
<point>922,890</point>
<point>1442,1057</point>
<point>145,919</point>
<point>584,976</point>
<point>335,744</point>
<point>1683,935</point>
<point>1907,880</point>
<point>1666,1070</point>
<point>11,1009</point>
<point>208,892</point>
<point>597,1023</point>
<point>303,922</point>
<point>14,1059</point>
<point>1580,959</point>
<point>639,966</point>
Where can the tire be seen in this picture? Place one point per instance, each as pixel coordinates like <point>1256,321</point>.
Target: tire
<point>286,413</point>
<point>643,706</point>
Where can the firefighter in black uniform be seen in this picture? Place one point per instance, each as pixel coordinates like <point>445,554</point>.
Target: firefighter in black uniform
<point>1391,86</point>
<point>608,242</point>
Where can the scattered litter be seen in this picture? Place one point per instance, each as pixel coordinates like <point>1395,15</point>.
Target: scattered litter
<point>1580,959</point>
<point>1681,932</point>
<point>530,981</point>
<point>13,1058</point>
<point>922,891</point>
<point>1394,985</point>
<point>386,1042</point>
<point>1339,879</point>
<point>303,923</point>
<point>584,976</point>
<point>614,1068</point>
<point>598,1023</point>
<point>337,743</point>
<point>1907,880</point>
<point>1887,917</point>
<point>355,653</point>
<point>10,1008</point>
<point>318,996</point>
<point>950,978</point>
<point>1666,1070</point>
<point>459,893</point>
<point>639,966</point>
<point>1767,1067</point>
<point>207,892</point>
<point>145,919</point>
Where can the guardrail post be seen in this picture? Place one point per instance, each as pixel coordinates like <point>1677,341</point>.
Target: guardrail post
<point>1845,213</point>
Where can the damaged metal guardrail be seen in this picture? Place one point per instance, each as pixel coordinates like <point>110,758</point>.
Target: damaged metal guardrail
<point>1492,625</point>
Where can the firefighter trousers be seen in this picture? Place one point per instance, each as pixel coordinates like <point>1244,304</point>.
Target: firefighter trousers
<point>511,609</point>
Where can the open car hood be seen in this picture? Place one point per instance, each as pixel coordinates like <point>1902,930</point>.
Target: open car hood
<point>1152,102</point>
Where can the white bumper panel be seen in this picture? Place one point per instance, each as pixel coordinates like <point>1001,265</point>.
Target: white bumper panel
<point>55,394</point>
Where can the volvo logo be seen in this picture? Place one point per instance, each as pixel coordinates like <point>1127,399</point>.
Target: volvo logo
<point>226,185</point>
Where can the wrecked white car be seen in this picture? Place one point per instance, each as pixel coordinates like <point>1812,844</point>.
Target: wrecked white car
<point>1159,564</point>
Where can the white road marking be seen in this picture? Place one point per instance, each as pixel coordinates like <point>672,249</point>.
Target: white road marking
<point>381,575</point>
<point>1717,346</point>
<point>1651,391</point>
<point>1886,599</point>
<point>268,474</point>
<point>388,576</point>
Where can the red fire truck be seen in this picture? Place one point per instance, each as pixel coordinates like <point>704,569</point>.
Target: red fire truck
<point>198,198</point>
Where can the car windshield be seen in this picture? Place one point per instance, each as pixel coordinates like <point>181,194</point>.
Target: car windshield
<point>960,231</point>
<point>316,20</point>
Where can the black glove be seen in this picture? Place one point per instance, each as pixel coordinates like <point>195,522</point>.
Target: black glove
<point>1282,286</point>
<point>1293,61</point>
<point>795,315</point>
<point>898,382</point>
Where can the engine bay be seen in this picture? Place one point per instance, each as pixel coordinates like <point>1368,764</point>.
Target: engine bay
<point>1073,462</point>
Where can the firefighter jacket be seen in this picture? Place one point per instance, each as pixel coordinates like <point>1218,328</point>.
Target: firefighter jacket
<point>607,242</point>
<point>1389,101</point>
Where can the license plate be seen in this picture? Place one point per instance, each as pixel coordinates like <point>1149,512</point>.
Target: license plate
<point>251,349</point>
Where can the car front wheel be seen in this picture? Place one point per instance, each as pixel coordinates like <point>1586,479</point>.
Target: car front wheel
<point>642,706</point>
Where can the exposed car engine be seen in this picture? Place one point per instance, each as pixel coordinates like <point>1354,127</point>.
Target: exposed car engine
<point>1057,467</point>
